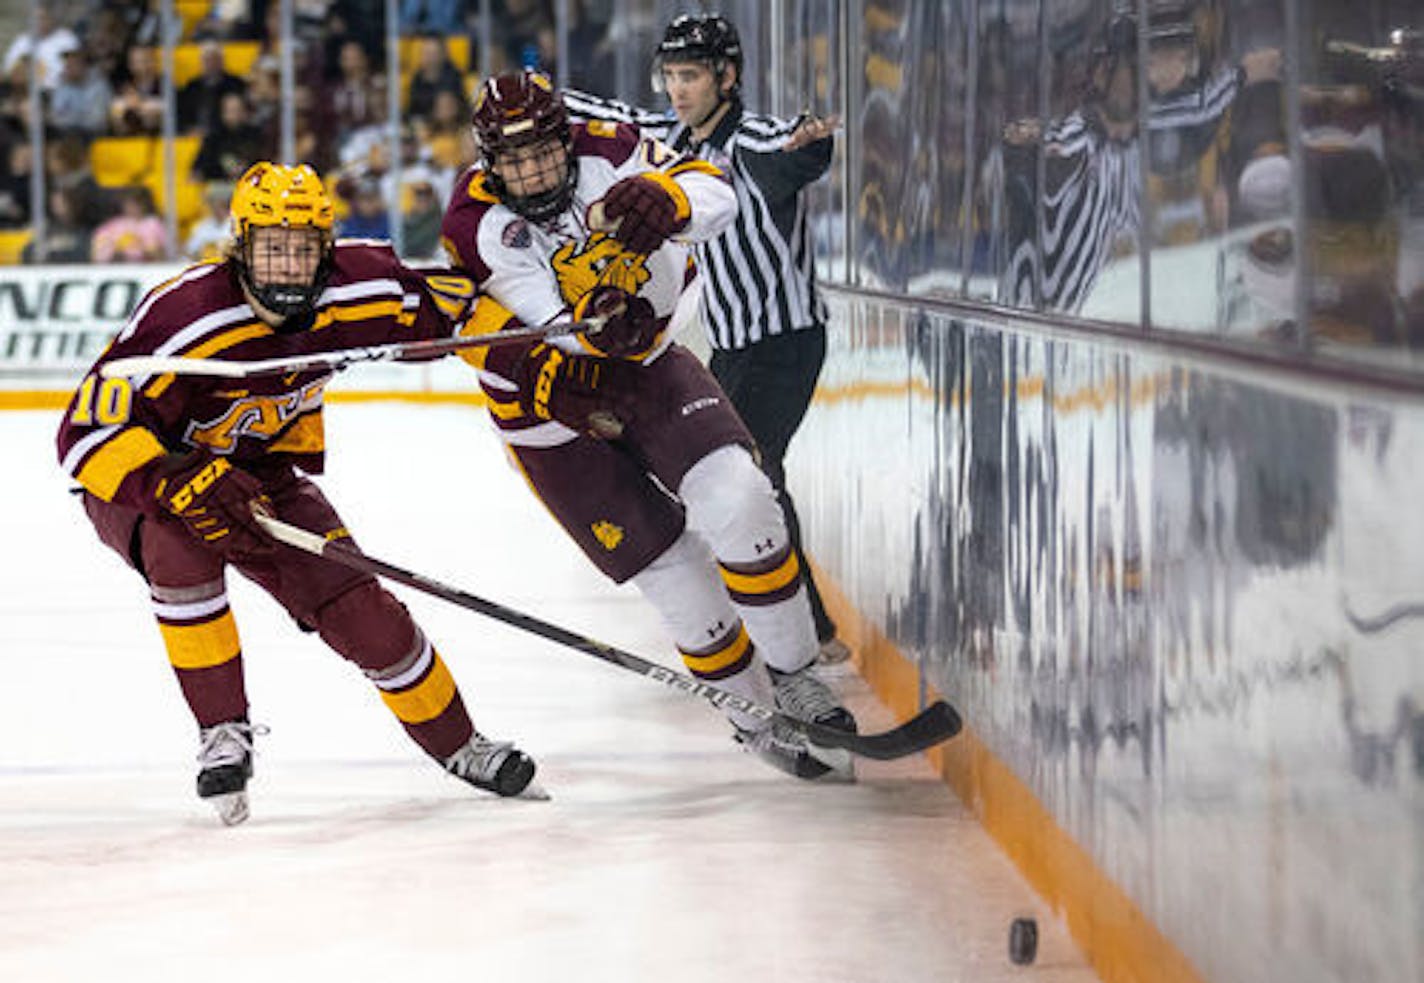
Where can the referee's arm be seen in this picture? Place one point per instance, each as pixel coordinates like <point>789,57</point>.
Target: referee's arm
<point>782,173</point>
<point>585,106</point>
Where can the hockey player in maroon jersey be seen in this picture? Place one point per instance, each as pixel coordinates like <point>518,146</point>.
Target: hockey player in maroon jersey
<point>623,434</point>
<point>173,466</point>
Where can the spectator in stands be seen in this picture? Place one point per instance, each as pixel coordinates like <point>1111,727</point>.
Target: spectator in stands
<point>368,218</point>
<point>144,22</point>
<point>357,99</point>
<point>447,133</point>
<point>67,167</point>
<point>314,142</point>
<point>420,222</point>
<point>210,234</point>
<point>79,102</point>
<point>105,40</point>
<point>15,184</point>
<point>524,34</point>
<point>15,101</point>
<point>264,99</point>
<point>66,238</point>
<point>362,21</point>
<point>200,100</point>
<point>135,235</point>
<point>434,73</point>
<point>239,19</point>
<point>137,108</point>
<point>436,16</point>
<point>54,40</point>
<point>231,146</point>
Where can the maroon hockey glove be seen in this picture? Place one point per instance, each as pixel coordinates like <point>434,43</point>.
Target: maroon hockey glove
<point>641,211</point>
<point>214,500</point>
<point>631,328</point>
<point>586,393</point>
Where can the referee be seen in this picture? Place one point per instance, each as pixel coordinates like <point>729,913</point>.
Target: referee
<point>766,322</point>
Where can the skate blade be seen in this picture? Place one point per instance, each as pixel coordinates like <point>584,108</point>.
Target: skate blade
<point>834,758</point>
<point>231,807</point>
<point>534,792</point>
<point>838,776</point>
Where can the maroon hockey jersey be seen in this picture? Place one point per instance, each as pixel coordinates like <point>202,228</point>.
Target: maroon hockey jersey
<point>114,427</point>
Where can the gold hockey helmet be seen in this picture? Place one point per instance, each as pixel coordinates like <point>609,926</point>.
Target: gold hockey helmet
<point>281,196</point>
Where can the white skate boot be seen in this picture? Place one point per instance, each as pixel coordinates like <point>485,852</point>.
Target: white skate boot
<point>225,756</point>
<point>495,766</point>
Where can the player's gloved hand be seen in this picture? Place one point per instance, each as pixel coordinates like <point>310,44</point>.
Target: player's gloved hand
<point>214,500</point>
<point>586,393</point>
<point>641,211</point>
<point>632,325</point>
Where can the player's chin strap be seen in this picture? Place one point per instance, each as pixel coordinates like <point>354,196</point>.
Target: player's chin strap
<point>334,361</point>
<point>933,725</point>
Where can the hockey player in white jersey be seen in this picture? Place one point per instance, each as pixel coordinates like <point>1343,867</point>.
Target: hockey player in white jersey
<point>623,434</point>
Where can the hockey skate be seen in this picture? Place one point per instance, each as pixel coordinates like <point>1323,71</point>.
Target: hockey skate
<point>786,749</point>
<point>225,757</point>
<point>803,695</point>
<point>495,766</point>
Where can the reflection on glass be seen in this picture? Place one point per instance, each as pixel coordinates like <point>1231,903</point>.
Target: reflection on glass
<point>1071,185</point>
<point>1005,84</point>
<point>1362,132</point>
<point>884,122</point>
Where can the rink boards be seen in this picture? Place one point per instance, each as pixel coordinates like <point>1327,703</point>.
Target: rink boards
<point>1182,612</point>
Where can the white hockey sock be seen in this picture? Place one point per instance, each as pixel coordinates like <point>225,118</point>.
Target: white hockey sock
<point>685,588</point>
<point>731,503</point>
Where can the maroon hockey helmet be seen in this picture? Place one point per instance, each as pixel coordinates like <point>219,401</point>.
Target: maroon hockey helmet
<point>523,109</point>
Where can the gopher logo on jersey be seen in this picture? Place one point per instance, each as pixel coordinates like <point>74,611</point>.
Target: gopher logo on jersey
<point>263,417</point>
<point>608,535</point>
<point>601,259</point>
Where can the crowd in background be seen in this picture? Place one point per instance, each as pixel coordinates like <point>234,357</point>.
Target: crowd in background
<point>100,75</point>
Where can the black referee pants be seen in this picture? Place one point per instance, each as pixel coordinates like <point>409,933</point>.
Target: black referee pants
<point>770,383</point>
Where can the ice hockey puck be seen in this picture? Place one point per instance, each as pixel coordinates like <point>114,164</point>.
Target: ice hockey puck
<point>1023,941</point>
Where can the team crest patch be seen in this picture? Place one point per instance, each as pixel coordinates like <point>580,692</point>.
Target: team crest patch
<point>516,235</point>
<point>607,534</point>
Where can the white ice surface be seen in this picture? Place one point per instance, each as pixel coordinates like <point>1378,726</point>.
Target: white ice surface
<point>665,854</point>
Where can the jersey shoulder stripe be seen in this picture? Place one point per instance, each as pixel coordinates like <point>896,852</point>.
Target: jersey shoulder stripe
<point>470,202</point>
<point>614,142</point>
<point>766,126</point>
<point>190,275</point>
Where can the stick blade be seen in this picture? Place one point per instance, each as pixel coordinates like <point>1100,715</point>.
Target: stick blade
<point>146,365</point>
<point>933,725</point>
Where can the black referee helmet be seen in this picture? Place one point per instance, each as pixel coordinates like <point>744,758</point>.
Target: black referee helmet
<point>708,38</point>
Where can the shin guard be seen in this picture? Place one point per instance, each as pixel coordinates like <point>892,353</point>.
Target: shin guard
<point>684,587</point>
<point>731,503</point>
<point>201,638</point>
<point>371,628</point>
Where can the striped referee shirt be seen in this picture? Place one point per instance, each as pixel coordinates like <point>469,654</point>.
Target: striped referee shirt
<point>1091,198</point>
<point>758,276</point>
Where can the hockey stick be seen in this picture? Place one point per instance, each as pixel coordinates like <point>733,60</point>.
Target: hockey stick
<point>335,361</point>
<point>936,723</point>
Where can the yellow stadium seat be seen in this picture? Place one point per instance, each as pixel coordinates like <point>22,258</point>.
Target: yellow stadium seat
<point>12,243</point>
<point>187,192</point>
<point>185,151</point>
<point>117,161</point>
<point>191,13</point>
